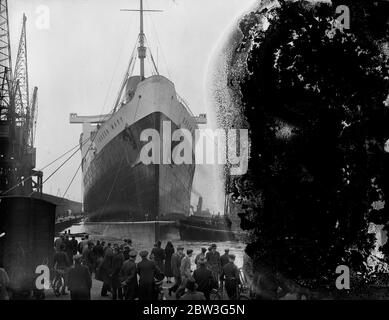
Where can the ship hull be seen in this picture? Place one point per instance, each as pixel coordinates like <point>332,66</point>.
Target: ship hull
<point>196,228</point>
<point>124,189</point>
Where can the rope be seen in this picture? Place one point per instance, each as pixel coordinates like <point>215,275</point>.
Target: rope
<point>70,183</point>
<point>56,170</point>
<point>133,67</point>
<point>159,43</point>
<point>129,70</point>
<point>67,152</point>
<point>115,70</point>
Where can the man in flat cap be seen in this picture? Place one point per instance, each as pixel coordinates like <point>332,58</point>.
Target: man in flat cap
<point>147,270</point>
<point>128,277</point>
<point>230,275</point>
<point>79,280</point>
<point>213,261</point>
<point>176,264</point>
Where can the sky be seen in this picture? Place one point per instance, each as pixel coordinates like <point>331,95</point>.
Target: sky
<point>78,51</point>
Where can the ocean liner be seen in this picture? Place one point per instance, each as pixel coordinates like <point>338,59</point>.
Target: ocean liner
<point>117,185</point>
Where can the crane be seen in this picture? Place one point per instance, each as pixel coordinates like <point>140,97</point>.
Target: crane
<point>33,116</point>
<point>5,66</point>
<point>18,115</point>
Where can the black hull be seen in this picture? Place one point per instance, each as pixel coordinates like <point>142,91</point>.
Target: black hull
<point>119,188</point>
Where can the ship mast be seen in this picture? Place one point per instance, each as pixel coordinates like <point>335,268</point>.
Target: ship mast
<point>142,49</point>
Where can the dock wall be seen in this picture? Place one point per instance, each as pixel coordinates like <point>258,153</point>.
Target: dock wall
<point>144,232</point>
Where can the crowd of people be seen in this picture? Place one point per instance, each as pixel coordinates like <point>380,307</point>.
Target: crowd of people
<point>125,278</point>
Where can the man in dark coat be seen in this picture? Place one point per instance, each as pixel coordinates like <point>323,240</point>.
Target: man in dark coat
<point>176,265</point>
<point>79,281</point>
<point>230,275</point>
<point>117,263</point>
<point>98,250</point>
<point>224,259</point>
<point>128,277</point>
<point>147,270</point>
<point>105,272</point>
<point>88,257</point>
<point>74,245</point>
<point>158,255</point>
<point>61,265</point>
<point>169,250</point>
<point>108,249</point>
<point>203,278</point>
<point>98,254</point>
<point>213,261</point>
<point>69,249</point>
<point>61,260</point>
<point>126,252</point>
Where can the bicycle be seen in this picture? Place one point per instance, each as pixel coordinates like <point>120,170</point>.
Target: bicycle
<point>160,295</point>
<point>217,293</point>
<point>244,289</point>
<point>218,286</point>
<point>58,282</point>
<point>244,293</point>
